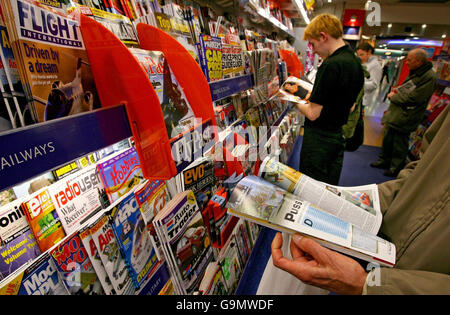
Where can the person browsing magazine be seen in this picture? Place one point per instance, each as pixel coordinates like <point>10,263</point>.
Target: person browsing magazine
<point>338,81</point>
<point>416,218</point>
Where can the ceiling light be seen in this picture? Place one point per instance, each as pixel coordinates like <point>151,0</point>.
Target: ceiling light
<point>424,25</point>
<point>389,25</point>
<point>444,36</point>
<point>416,42</point>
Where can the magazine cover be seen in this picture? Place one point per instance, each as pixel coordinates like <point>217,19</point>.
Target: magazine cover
<point>211,57</point>
<point>53,62</point>
<point>17,242</point>
<point>213,282</point>
<point>359,205</point>
<point>41,277</point>
<point>72,261</point>
<point>120,173</point>
<point>259,201</point>
<point>199,177</point>
<point>118,24</point>
<point>152,196</point>
<point>77,198</point>
<point>133,238</point>
<point>43,219</point>
<point>229,262</point>
<point>177,112</point>
<point>89,244</point>
<point>156,281</point>
<point>232,60</point>
<point>110,255</point>
<point>185,240</point>
<point>21,113</point>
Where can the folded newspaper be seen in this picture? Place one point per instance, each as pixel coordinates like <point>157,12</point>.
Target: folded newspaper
<point>359,205</point>
<point>259,201</point>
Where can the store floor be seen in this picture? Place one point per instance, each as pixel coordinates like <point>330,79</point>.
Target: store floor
<point>355,172</point>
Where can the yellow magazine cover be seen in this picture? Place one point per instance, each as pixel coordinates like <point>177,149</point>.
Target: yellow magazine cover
<point>52,58</point>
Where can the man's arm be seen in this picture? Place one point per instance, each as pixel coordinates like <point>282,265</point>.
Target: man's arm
<point>419,95</point>
<point>310,110</point>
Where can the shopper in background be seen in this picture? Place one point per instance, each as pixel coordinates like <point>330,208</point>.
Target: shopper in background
<point>406,110</point>
<point>416,218</point>
<point>385,71</point>
<point>338,82</point>
<point>373,66</point>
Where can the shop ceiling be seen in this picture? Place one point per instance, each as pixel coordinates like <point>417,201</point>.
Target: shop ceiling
<point>399,18</point>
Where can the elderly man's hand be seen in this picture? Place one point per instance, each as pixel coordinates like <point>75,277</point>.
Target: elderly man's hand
<point>316,265</point>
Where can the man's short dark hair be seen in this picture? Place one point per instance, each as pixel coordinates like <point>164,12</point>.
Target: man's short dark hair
<point>366,47</point>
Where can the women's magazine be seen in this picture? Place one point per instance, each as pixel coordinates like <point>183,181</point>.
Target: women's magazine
<point>359,205</point>
<point>259,201</point>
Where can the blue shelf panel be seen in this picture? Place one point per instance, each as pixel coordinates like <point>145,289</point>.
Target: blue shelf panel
<point>227,87</point>
<point>443,82</point>
<point>30,151</point>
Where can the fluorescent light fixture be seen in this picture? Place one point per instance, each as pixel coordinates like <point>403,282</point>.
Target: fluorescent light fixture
<point>416,42</point>
<point>301,9</point>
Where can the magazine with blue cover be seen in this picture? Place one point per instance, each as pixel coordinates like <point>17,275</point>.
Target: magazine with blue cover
<point>40,277</point>
<point>133,238</point>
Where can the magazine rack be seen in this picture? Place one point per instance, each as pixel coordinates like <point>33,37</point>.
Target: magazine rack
<point>120,78</point>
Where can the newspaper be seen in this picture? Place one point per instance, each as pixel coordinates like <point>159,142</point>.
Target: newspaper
<point>359,205</point>
<point>259,201</point>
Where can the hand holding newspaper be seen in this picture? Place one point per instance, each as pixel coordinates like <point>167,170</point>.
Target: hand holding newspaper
<point>259,201</point>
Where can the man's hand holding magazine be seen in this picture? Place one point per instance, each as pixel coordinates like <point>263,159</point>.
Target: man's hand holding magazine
<point>316,265</point>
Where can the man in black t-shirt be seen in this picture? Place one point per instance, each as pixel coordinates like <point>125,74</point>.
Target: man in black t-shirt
<point>338,81</point>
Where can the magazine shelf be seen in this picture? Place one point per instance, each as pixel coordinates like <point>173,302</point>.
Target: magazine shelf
<point>59,141</point>
<point>130,108</point>
<point>443,82</point>
<point>227,87</point>
<point>274,22</point>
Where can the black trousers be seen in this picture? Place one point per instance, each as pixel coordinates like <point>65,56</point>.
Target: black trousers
<point>322,155</point>
<point>394,148</point>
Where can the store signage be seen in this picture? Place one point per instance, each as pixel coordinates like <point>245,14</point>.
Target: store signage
<point>30,151</point>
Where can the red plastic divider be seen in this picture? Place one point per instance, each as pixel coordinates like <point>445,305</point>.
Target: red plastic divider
<point>119,78</point>
<point>185,68</point>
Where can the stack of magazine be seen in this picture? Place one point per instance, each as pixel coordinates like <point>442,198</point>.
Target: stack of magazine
<point>345,219</point>
<point>185,241</point>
